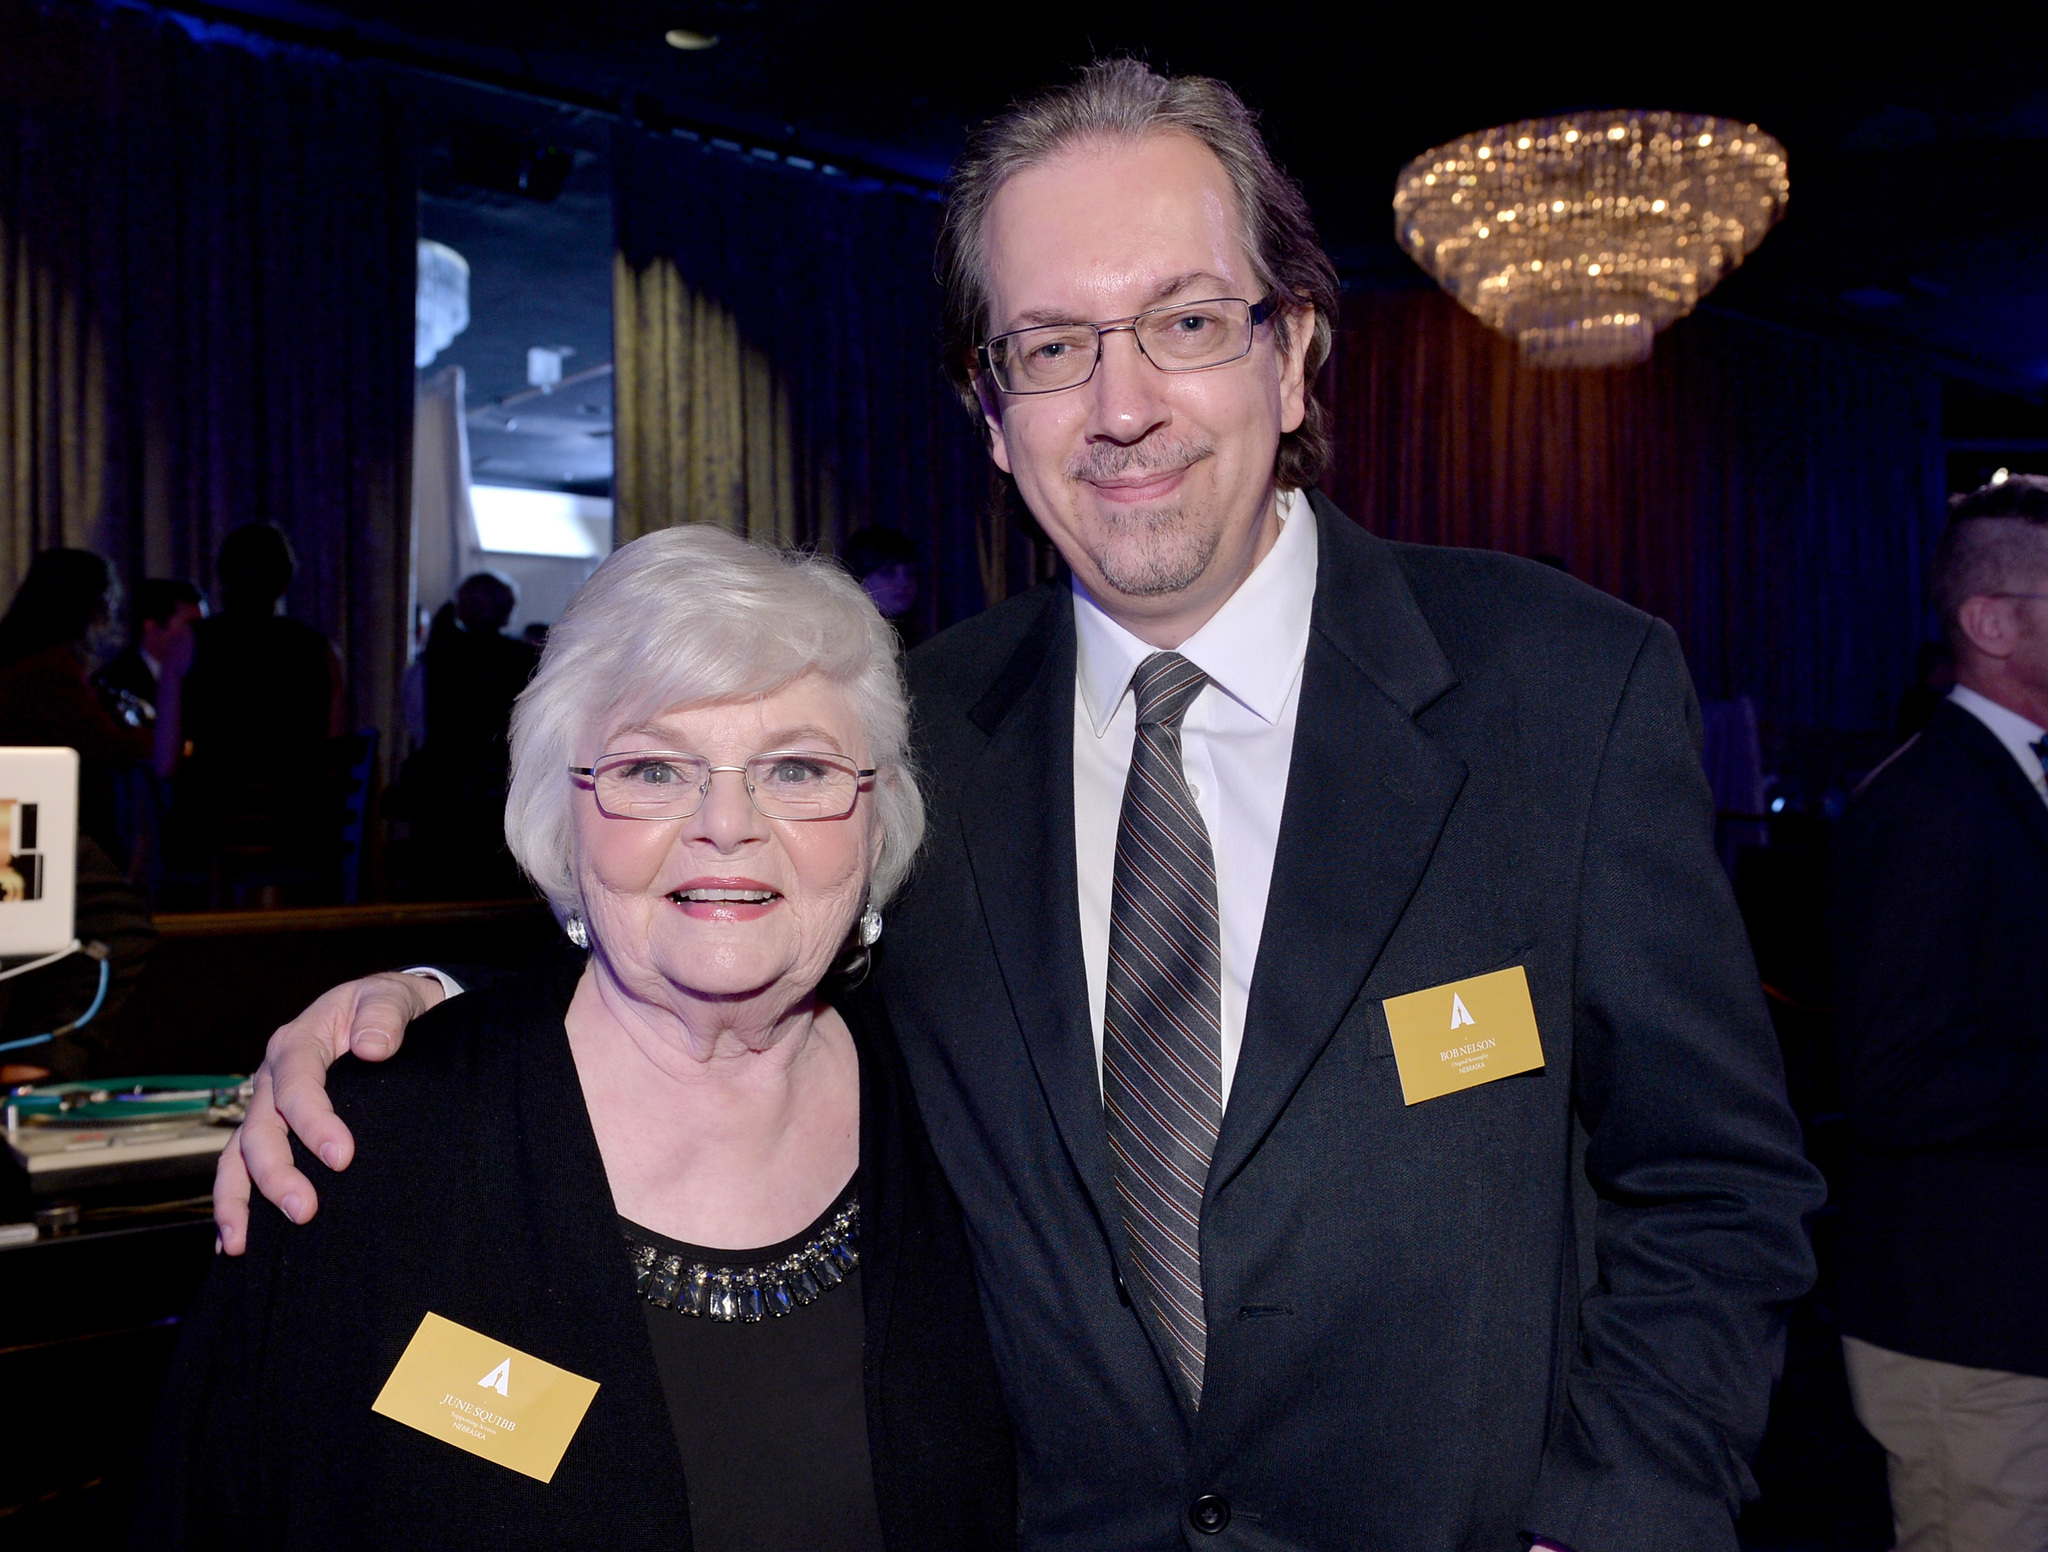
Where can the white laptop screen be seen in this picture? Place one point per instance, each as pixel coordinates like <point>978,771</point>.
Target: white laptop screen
<point>38,849</point>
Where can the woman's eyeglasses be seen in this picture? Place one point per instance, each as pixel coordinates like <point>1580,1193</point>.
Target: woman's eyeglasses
<point>784,784</point>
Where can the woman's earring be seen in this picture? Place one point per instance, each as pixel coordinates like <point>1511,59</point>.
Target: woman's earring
<point>580,934</point>
<point>870,928</point>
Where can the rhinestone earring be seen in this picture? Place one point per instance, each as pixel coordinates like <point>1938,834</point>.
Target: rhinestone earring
<point>578,933</point>
<point>870,928</point>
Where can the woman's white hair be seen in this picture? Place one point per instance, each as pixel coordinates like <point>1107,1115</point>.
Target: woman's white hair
<point>691,616</point>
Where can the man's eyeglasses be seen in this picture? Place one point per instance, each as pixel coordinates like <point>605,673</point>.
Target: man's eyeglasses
<point>1185,337</point>
<point>784,784</point>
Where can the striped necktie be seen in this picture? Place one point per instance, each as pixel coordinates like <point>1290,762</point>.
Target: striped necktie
<point>1162,1026</point>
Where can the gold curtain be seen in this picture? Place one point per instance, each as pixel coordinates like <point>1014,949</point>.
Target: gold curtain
<point>775,332</point>
<point>53,412</point>
<point>206,313</point>
<point>703,418</point>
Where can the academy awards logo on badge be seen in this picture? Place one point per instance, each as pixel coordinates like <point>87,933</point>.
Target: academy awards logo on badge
<point>528,1430</point>
<point>1502,1039</point>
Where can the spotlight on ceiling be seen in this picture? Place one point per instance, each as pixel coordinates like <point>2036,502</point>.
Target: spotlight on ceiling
<point>684,38</point>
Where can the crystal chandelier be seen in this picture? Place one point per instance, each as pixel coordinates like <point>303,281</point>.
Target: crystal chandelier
<point>1579,237</point>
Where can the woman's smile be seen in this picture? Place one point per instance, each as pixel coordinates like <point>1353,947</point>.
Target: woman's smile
<point>725,899</point>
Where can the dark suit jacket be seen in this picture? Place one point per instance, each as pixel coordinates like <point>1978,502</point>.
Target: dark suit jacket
<point>478,1193</point>
<point>1941,1026</point>
<point>1551,1302</point>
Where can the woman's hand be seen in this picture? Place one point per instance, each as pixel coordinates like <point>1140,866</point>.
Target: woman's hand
<point>366,1018</point>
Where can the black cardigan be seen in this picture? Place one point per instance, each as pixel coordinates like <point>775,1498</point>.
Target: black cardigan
<point>477,1192</point>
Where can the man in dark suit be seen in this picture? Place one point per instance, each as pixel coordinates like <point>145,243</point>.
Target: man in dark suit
<point>1197,813</point>
<point>1941,975</point>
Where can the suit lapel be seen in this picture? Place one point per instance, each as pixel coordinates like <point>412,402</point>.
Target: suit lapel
<point>1368,793</point>
<point>2004,770</point>
<point>1016,807</point>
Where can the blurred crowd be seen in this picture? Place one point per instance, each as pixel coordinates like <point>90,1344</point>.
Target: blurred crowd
<point>218,767</point>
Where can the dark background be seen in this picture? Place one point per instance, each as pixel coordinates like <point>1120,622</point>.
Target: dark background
<point>1912,265</point>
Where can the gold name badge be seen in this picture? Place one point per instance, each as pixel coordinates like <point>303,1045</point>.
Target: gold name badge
<point>1463,1033</point>
<point>474,1392</point>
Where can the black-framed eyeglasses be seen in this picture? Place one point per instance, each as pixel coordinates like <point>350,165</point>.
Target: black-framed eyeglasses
<point>783,784</point>
<point>1181,337</point>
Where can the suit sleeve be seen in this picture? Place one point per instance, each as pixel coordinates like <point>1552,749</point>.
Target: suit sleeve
<point>1939,980</point>
<point>1698,1183</point>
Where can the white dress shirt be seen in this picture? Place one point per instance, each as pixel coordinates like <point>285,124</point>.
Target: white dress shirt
<point>2013,730</point>
<point>1236,742</point>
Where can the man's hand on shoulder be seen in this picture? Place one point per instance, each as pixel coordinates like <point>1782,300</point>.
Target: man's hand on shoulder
<point>366,1018</point>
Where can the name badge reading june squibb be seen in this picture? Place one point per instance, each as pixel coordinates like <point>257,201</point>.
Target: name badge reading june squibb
<point>476,1393</point>
<point>1464,1033</point>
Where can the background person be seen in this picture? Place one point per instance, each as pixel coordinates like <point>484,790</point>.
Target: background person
<point>1940,887</point>
<point>130,685</point>
<point>454,785</point>
<point>258,812</point>
<point>59,624</point>
<point>885,562</point>
<point>739,1232</point>
<point>166,609</point>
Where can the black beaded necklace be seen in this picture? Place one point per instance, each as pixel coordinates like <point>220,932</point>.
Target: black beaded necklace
<point>748,1293</point>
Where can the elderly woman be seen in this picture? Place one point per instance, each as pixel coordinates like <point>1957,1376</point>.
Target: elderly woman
<point>684,1165</point>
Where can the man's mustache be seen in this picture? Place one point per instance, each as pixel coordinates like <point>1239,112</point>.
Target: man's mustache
<point>1109,461</point>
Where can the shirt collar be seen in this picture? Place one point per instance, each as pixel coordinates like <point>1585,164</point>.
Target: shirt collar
<point>1251,648</point>
<point>2013,730</point>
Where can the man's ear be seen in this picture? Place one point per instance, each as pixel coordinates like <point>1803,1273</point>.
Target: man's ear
<point>991,401</point>
<point>1989,625</point>
<point>1294,385</point>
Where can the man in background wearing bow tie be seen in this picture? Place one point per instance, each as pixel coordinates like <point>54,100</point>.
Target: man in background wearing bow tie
<point>1941,977</point>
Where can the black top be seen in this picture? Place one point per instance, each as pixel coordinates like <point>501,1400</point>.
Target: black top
<point>1941,1031</point>
<point>478,1193</point>
<point>785,1390</point>
<point>258,684</point>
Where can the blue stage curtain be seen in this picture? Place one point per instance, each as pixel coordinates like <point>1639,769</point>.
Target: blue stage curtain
<point>1772,494</point>
<point>206,311</point>
<point>776,337</point>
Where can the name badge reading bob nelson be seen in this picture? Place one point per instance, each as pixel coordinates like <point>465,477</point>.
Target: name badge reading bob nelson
<point>1464,1033</point>
<point>478,1394</point>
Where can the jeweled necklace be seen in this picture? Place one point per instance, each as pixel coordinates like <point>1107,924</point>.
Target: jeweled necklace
<point>663,1278</point>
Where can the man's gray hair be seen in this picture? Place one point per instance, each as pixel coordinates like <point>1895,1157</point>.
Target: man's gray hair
<point>692,616</point>
<point>1996,541</point>
<point>1121,101</point>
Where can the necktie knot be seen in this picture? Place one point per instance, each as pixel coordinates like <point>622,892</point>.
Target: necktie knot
<point>1166,684</point>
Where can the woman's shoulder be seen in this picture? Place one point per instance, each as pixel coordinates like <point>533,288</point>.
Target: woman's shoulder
<point>463,1058</point>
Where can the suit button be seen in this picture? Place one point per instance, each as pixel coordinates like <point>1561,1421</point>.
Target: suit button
<point>1209,1513</point>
